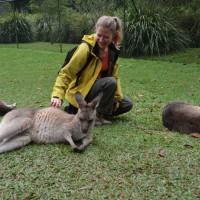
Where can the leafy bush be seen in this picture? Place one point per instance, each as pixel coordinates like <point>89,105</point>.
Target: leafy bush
<point>75,25</point>
<point>151,32</point>
<point>188,18</point>
<point>15,28</point>
<point>42,30</point>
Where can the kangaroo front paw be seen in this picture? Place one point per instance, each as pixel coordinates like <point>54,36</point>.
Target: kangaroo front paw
<point>78,150</point>
<point>81,149</point>
<point>75,149</point>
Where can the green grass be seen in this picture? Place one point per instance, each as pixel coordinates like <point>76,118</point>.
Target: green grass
<point>185,56</point>
<point>124,160</point>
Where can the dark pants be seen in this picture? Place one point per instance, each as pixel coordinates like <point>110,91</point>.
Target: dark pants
<point>108,86</point>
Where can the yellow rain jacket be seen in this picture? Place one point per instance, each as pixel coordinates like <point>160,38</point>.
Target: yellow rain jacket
<point>65,86</point>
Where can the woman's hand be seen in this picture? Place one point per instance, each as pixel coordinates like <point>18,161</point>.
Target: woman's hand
<point>55,102</point>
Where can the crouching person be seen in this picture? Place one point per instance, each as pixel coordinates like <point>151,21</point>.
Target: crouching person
<point>99,51</point>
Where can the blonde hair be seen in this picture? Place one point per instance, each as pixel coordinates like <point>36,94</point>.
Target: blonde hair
<point>114,24</point>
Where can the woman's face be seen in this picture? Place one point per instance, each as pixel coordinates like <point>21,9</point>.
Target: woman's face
<point>104,37</point>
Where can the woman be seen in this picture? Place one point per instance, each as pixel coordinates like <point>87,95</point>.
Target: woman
<point>101,74</point>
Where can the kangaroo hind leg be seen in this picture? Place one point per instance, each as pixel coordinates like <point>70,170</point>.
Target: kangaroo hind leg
<point>14,127</point>
<point>15,143</point>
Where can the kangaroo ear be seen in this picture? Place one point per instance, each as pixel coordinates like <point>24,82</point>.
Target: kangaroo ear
<point>80,100</point>
<point>4,108</point>
<point>95,102</point>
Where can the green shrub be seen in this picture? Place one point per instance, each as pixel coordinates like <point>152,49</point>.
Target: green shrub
<point>32,21</point>
<point>75,25</point>
<point>151,32</point>
<point>15,28</point>
<point>42,30</point>
<point>188,18</point>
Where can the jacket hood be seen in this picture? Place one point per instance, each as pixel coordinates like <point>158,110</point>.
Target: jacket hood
<point>90,39</point>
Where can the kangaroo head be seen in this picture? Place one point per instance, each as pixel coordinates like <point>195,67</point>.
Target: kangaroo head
<point>87,111</point>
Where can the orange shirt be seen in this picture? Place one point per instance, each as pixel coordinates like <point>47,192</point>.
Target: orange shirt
<point>104,65</point>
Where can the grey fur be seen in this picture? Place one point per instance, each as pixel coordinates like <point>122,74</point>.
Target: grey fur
<point>21,127</point>
<point>181,117</point>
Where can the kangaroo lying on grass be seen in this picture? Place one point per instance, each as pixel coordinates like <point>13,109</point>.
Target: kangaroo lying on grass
<point>49,125</point>
<point>181,117</point>
<point>4,108</point>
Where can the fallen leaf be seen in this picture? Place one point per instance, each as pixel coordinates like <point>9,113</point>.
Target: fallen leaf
<point>191,94</point>
<point>188,145</point>
<point>149,132</point>
<point>161,153</point>
<point>67,158</point>
<point>107,186</point>
<point>196,135</point>
<point>138,171</point>
<point>87,187</point>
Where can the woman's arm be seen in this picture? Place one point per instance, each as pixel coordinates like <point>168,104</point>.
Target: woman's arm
<point>67,74</point>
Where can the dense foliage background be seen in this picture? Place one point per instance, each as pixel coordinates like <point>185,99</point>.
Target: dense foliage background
<point>150,27</point>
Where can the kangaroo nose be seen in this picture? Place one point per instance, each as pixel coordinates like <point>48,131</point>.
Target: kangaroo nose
<point>84,127</point>
<point>84,130</point>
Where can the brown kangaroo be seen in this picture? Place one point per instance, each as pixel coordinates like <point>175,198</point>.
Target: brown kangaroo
<point>49,125</point>
<point>181,117</point>
<point>4,108</point>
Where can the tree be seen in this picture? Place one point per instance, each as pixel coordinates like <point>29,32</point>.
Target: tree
<point>21,5</point>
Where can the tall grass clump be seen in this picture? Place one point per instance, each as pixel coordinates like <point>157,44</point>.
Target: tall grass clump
<point>15,28</point>
<point>151,32</point>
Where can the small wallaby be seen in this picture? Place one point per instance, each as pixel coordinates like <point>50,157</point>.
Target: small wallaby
<point>49,125</point>
<point>4,108</point>
<point>181,117</point>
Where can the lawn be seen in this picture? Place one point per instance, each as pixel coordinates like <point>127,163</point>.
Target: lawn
<point>135,158</point>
